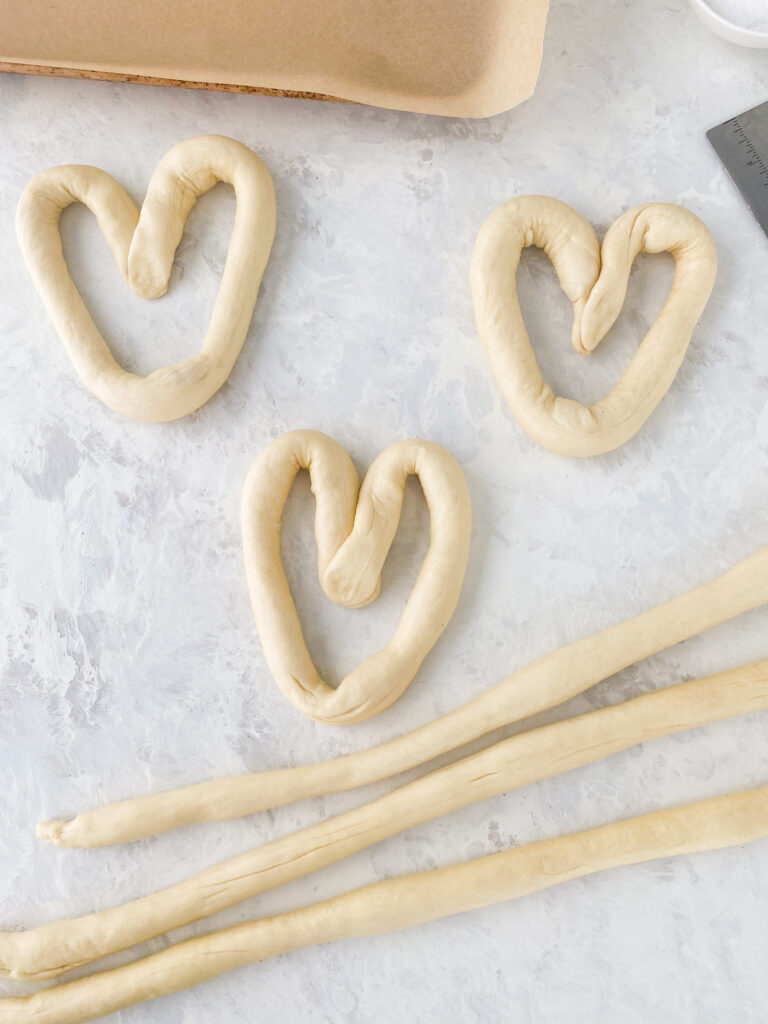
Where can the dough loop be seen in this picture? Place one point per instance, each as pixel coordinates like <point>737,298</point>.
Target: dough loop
<point>353,532</point>
<point>143,245</point>
<point>595,280</point>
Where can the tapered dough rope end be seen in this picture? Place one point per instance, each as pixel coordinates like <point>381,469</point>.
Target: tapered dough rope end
<point>53,831</point>
<point>139,817</point>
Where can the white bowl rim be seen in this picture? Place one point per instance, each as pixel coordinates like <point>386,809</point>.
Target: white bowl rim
<point>750,33</point>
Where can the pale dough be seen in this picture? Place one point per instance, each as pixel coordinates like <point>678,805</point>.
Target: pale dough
<point>551,680</point>
<point>49,950</point>
<point>595,280</point>
<point>143,246</point>
<point>354,529</point>
<point>398,903</point>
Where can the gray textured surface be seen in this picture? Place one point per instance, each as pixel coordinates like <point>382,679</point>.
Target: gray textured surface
<point>132,662</point>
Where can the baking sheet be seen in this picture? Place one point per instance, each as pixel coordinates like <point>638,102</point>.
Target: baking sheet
<point>470,58</point>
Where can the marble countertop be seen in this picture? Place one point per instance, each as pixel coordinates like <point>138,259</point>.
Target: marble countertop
<point>132,663</point>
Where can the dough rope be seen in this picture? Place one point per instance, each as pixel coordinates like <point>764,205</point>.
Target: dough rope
<point>552,680</point>
<point>403,902</point>
<point>143,245</point>
<point>354,529</point>
<point>53,948</point>
<point>595,280</point>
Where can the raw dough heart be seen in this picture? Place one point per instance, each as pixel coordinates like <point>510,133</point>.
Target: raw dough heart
<point>353,533</point>
<point>595,280</point>
<point>143,246</point>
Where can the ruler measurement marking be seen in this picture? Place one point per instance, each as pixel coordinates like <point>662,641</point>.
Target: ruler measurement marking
<point>742,145</point>
<point>745,140</point>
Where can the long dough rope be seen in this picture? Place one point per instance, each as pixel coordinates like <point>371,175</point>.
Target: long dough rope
<point>403,902</point>
<point>143,246</point>
<point>551,680</point>
<point>51,949</point>
<point>354,532</point>
<point>595,281</point>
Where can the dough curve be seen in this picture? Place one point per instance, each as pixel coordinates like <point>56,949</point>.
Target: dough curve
<point>143,245</point>
<point>595,280</point>
<point>354,529</point>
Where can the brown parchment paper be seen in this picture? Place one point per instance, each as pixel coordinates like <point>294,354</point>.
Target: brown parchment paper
<point>468,58</point>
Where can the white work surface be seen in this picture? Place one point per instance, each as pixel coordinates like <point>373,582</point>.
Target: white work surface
<point>132,660</point>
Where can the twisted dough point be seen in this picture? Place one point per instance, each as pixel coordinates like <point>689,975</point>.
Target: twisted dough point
<point>551,680</point>
<point>403,902</point>
<point>353,533</point>
<point>143,246</point>
<point>595,281</point>
<point>51,949</point>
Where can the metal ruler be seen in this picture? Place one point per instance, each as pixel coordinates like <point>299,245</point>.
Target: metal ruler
<point>742,145</point>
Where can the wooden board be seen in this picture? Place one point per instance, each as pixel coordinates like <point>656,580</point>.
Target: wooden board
<point>124,76</point>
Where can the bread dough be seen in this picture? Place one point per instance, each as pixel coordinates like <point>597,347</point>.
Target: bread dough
<point>49,950</point>
<point>595,280</point>
<point>353,532</point>
<point>143,246</point>
<point>551,680</point>
<point>399,903</point>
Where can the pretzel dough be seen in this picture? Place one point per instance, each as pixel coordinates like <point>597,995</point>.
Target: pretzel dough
<point>353,533</point>
<point>49,950</point>
<point>551,680</point>
<point>403,902</point>
<point>595,280</point>
<point>143,246</point>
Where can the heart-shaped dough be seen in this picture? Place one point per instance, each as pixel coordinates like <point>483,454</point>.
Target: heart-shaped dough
<point>353,532</point>
<point>595,280</point>
<point>143,246</point>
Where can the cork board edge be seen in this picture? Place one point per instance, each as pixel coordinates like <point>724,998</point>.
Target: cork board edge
<point>53,71</point>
